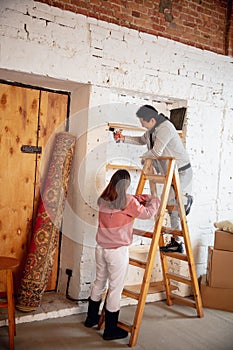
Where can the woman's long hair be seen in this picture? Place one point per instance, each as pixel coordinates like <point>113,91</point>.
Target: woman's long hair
<point>114,195</point>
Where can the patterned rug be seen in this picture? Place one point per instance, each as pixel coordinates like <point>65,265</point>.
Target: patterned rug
<point>48,222</point>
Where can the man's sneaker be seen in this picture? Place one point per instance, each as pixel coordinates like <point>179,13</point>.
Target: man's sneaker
<point>173,246</point>
<point>189,204</point>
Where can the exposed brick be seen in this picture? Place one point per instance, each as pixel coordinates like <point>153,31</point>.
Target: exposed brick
<point>136,14</point>
<point>201,16</point>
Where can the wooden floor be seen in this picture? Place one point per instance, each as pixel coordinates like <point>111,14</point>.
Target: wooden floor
<point>163,328</point>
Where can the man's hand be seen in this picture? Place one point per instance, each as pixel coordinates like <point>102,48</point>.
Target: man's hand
<point>117,135</point>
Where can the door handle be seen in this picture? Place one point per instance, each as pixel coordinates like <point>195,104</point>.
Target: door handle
<point>31,149</point>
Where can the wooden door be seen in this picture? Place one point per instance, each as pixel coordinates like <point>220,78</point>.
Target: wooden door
<point>27,117</point>
<point>53,119</point>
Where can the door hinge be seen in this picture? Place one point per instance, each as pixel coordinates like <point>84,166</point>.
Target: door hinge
<point>31,149</point>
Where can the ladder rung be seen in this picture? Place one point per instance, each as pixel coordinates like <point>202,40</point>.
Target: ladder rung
<point>133,291</point>
<point>142,233</point>
<point>172,207</point>
<point>125,326</point>
<point>154,287</point>
<point>179,278</point>
<point>169,230</point>
<point>174,255</point>
<point>183,301</point>
<point>137,263</point>
<point>156,178</point>
<point>130,294</point>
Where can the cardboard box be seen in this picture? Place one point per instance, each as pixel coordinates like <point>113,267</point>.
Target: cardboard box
<point>216,298</point>
<point>220,268</point>
<point>223,240</point>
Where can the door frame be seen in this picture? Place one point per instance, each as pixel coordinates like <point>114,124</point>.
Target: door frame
<point>79,101</point>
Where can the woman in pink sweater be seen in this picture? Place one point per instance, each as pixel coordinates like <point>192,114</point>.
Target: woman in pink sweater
<point>117,211</point>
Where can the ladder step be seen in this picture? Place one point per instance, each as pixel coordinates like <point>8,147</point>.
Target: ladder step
<point>142,233</point>
<point>172,207</point>
<point>164,230</point>
<point>169,230</point>
<point>156,178</point>
<point>154,287</point>
<point>126,327</point>
<point>178,256</point>
<point>179,278</point>
<point>138,263</point>
<point>184,301</point>
<point>130,293</point>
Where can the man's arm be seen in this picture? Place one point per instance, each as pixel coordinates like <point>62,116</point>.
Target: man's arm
<point>136,140</point>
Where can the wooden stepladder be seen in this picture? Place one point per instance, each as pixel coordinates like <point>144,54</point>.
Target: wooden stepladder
<point>171,178</point>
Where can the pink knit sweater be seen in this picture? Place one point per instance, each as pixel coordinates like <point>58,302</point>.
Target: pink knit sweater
<point>116,226</point>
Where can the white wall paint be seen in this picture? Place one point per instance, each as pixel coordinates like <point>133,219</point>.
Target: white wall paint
<point>125,69</point>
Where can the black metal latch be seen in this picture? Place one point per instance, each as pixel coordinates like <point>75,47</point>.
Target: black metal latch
<point>31,149</point>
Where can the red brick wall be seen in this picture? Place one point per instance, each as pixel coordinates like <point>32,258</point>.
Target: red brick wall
<point>206,24</point>
<point>229,30</point>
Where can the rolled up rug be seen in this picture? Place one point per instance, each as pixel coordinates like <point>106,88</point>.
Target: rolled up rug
<point>48,221</point>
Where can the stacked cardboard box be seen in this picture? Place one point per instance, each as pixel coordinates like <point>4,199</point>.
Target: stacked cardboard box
<point>217,284</point>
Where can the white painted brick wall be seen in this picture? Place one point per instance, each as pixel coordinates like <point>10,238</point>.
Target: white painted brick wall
<point>127,69</point>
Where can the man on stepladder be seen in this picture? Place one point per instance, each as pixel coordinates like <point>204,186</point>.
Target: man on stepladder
<point>162,139</point>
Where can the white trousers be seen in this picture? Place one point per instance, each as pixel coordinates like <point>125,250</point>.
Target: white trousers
<point>186,188</point>
<point>111,271</point>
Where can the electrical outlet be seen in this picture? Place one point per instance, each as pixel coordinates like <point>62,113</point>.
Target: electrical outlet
<point>69,272</point>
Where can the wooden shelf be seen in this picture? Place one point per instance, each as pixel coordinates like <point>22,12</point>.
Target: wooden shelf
<point>134,128</point>
<point>121,166</point>
<point>126,127</point>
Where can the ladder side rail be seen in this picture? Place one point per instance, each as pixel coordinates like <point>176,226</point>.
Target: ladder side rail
<point>146,170</point>
<point>141,183</point>
<point>151,255</point>
<point>164,200</point>
<point>188,246</point>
